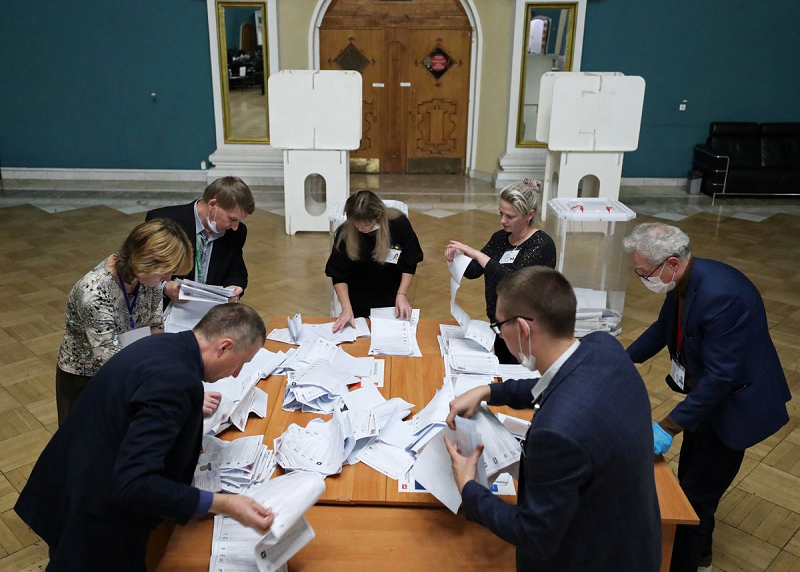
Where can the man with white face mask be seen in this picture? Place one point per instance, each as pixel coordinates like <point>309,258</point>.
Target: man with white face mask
<point>714,325</point>
<point>587,498</point>
<point>215,226</point>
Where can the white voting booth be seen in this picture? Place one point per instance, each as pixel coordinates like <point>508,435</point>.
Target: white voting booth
<point>315,117</point>
<point>588,120</point>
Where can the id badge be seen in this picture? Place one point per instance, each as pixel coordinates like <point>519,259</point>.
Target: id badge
<point>509,256</point>
<point>131,336</point>
<point>394,256</point>
<point>678,373</point>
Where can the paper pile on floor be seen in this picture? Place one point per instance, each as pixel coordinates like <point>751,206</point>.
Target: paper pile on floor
<point>392,336</point>
<point>297,332</point>
<point>233,466</point>
<point>236,548</point>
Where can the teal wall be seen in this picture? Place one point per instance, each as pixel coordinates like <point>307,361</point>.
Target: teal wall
<point>77,78</point>
<point>733,60</point>
<point>234,18</point>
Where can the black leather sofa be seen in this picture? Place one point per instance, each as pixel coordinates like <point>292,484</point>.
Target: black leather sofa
<point>750,159</point>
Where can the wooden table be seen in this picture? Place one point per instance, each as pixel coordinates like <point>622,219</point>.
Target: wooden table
<point>381,527</point>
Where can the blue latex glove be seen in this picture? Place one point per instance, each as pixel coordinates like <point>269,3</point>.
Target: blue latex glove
<point>662,440</point>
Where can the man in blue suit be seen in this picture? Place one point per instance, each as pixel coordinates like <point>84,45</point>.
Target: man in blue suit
<point>124,459</point>
<point>714,325</point>
<point>587,497</point>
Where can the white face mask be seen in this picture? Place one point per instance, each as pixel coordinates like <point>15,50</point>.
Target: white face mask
<point>654,283</point>
<point>527,361</point>
<point>212,224</point>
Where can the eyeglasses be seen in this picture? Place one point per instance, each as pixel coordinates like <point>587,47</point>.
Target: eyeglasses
<point>497,326</point>
<point>640,275</point>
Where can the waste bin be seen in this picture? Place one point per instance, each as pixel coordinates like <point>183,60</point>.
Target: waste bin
<point>588,233</point>
<point>694,182</point>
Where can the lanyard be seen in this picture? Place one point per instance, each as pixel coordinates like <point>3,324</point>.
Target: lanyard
<point>130,302</point>
<point>679,341</point>
<point>198,258</point>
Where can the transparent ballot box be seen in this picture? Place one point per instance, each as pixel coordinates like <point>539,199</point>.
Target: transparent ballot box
<point>588,233</point>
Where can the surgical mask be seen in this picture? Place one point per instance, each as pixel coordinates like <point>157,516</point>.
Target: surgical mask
<point>654,283</point>
<point>527,361</point>
<point>376,227</point>
<point>212,224</point>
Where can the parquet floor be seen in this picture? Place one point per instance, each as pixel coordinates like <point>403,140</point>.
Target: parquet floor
<point>43,254</point>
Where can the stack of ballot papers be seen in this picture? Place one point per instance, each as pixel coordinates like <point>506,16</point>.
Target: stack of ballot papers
<point>319,447</point>
<point>392,336</point>
<point>196,299</point>
<point>233,466</point>
<point>593,314</point>
<point>477,330</point>
<point>432,418</point>
<point>236,548</point>
<point>465,356</point>
<point>298,332</point>
<point>240,396</point>
<point>319,375</point>
<point>501,454</point>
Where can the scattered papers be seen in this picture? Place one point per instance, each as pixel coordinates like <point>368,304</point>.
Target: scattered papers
<point>516,371</point>
<point>465,356</point>
<point>464,383</point>
<point>316,389</point>
<point>375,377</point>
<point>432,418</point>
<point>476,330</point>
<point>233,466</point>
<point>234,546</point>
<point>320,447</point>
<point>392,461</point>
<point>392,336</point>
<point>297,332</point>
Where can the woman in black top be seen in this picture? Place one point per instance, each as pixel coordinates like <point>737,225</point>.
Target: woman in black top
<point>374,258</point>
<point>519,244</point>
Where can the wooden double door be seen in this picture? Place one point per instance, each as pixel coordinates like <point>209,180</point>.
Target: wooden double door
<point>415,92</point>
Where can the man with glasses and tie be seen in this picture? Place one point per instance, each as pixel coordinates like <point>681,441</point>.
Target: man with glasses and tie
<point>587,498</point>
<point>714,325</point>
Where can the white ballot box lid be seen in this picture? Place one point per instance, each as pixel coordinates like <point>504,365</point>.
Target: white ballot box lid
<point>590,209</point>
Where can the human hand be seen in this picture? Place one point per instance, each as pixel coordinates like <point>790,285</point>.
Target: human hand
<point>345,318</point>
<point>456,246</point>
<point>237,293</point>
<point>244,510</point>
<point>662,440</point>
<point>172,291</point>
<point>211,402</point>
<point>467,404</point>
<point>402,308</point>
<point>464,468</point>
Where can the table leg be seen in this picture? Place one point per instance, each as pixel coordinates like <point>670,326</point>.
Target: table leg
<point>667,541</point>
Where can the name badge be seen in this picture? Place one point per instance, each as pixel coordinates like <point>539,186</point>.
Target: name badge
<point>394,256</point>
<point>509,256</point>
<point>678,373</point>
<point>131,336</point>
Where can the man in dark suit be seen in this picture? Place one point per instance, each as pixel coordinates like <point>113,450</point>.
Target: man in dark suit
<point>587,497</point>
<point>214,225</point>
<point>714,325</point>
<point>124,459</point>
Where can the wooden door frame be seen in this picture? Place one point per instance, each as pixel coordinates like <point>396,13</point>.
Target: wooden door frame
<point>474,76</point>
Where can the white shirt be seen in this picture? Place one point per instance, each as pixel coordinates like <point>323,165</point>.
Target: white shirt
<point>551,372</point>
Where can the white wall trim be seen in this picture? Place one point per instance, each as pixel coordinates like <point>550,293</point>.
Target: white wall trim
<point>653,182</point>
<point>476,58</point>
<point>249,161</point>
<point>198,175</point>
<point>520,162</point>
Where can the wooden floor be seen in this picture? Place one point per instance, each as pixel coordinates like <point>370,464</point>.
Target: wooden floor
<point>42,255</point>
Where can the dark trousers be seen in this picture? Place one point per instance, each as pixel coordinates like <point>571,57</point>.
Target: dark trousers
<point>706,469</point>
<point>68,389</point>
<point>502,352</point>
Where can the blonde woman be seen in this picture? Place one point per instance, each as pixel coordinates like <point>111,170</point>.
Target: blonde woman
<point>121,294</point>
<point>374,258</point>
<point>517,245</point>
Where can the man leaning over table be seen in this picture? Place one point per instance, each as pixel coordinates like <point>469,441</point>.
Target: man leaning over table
<point>587,497</point>
<point>124,458</point>
<point>215,227</point>
<point>714,325</point>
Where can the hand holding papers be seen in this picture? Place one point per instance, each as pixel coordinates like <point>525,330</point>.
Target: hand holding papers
<point>476,330</point>
<point>196,299</point>
<point>236,548</point>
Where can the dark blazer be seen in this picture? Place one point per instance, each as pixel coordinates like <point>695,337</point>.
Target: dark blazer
<point>587,496</point>
<point>226,267</point>
<point>123,460</point>
<point>739,385</point>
